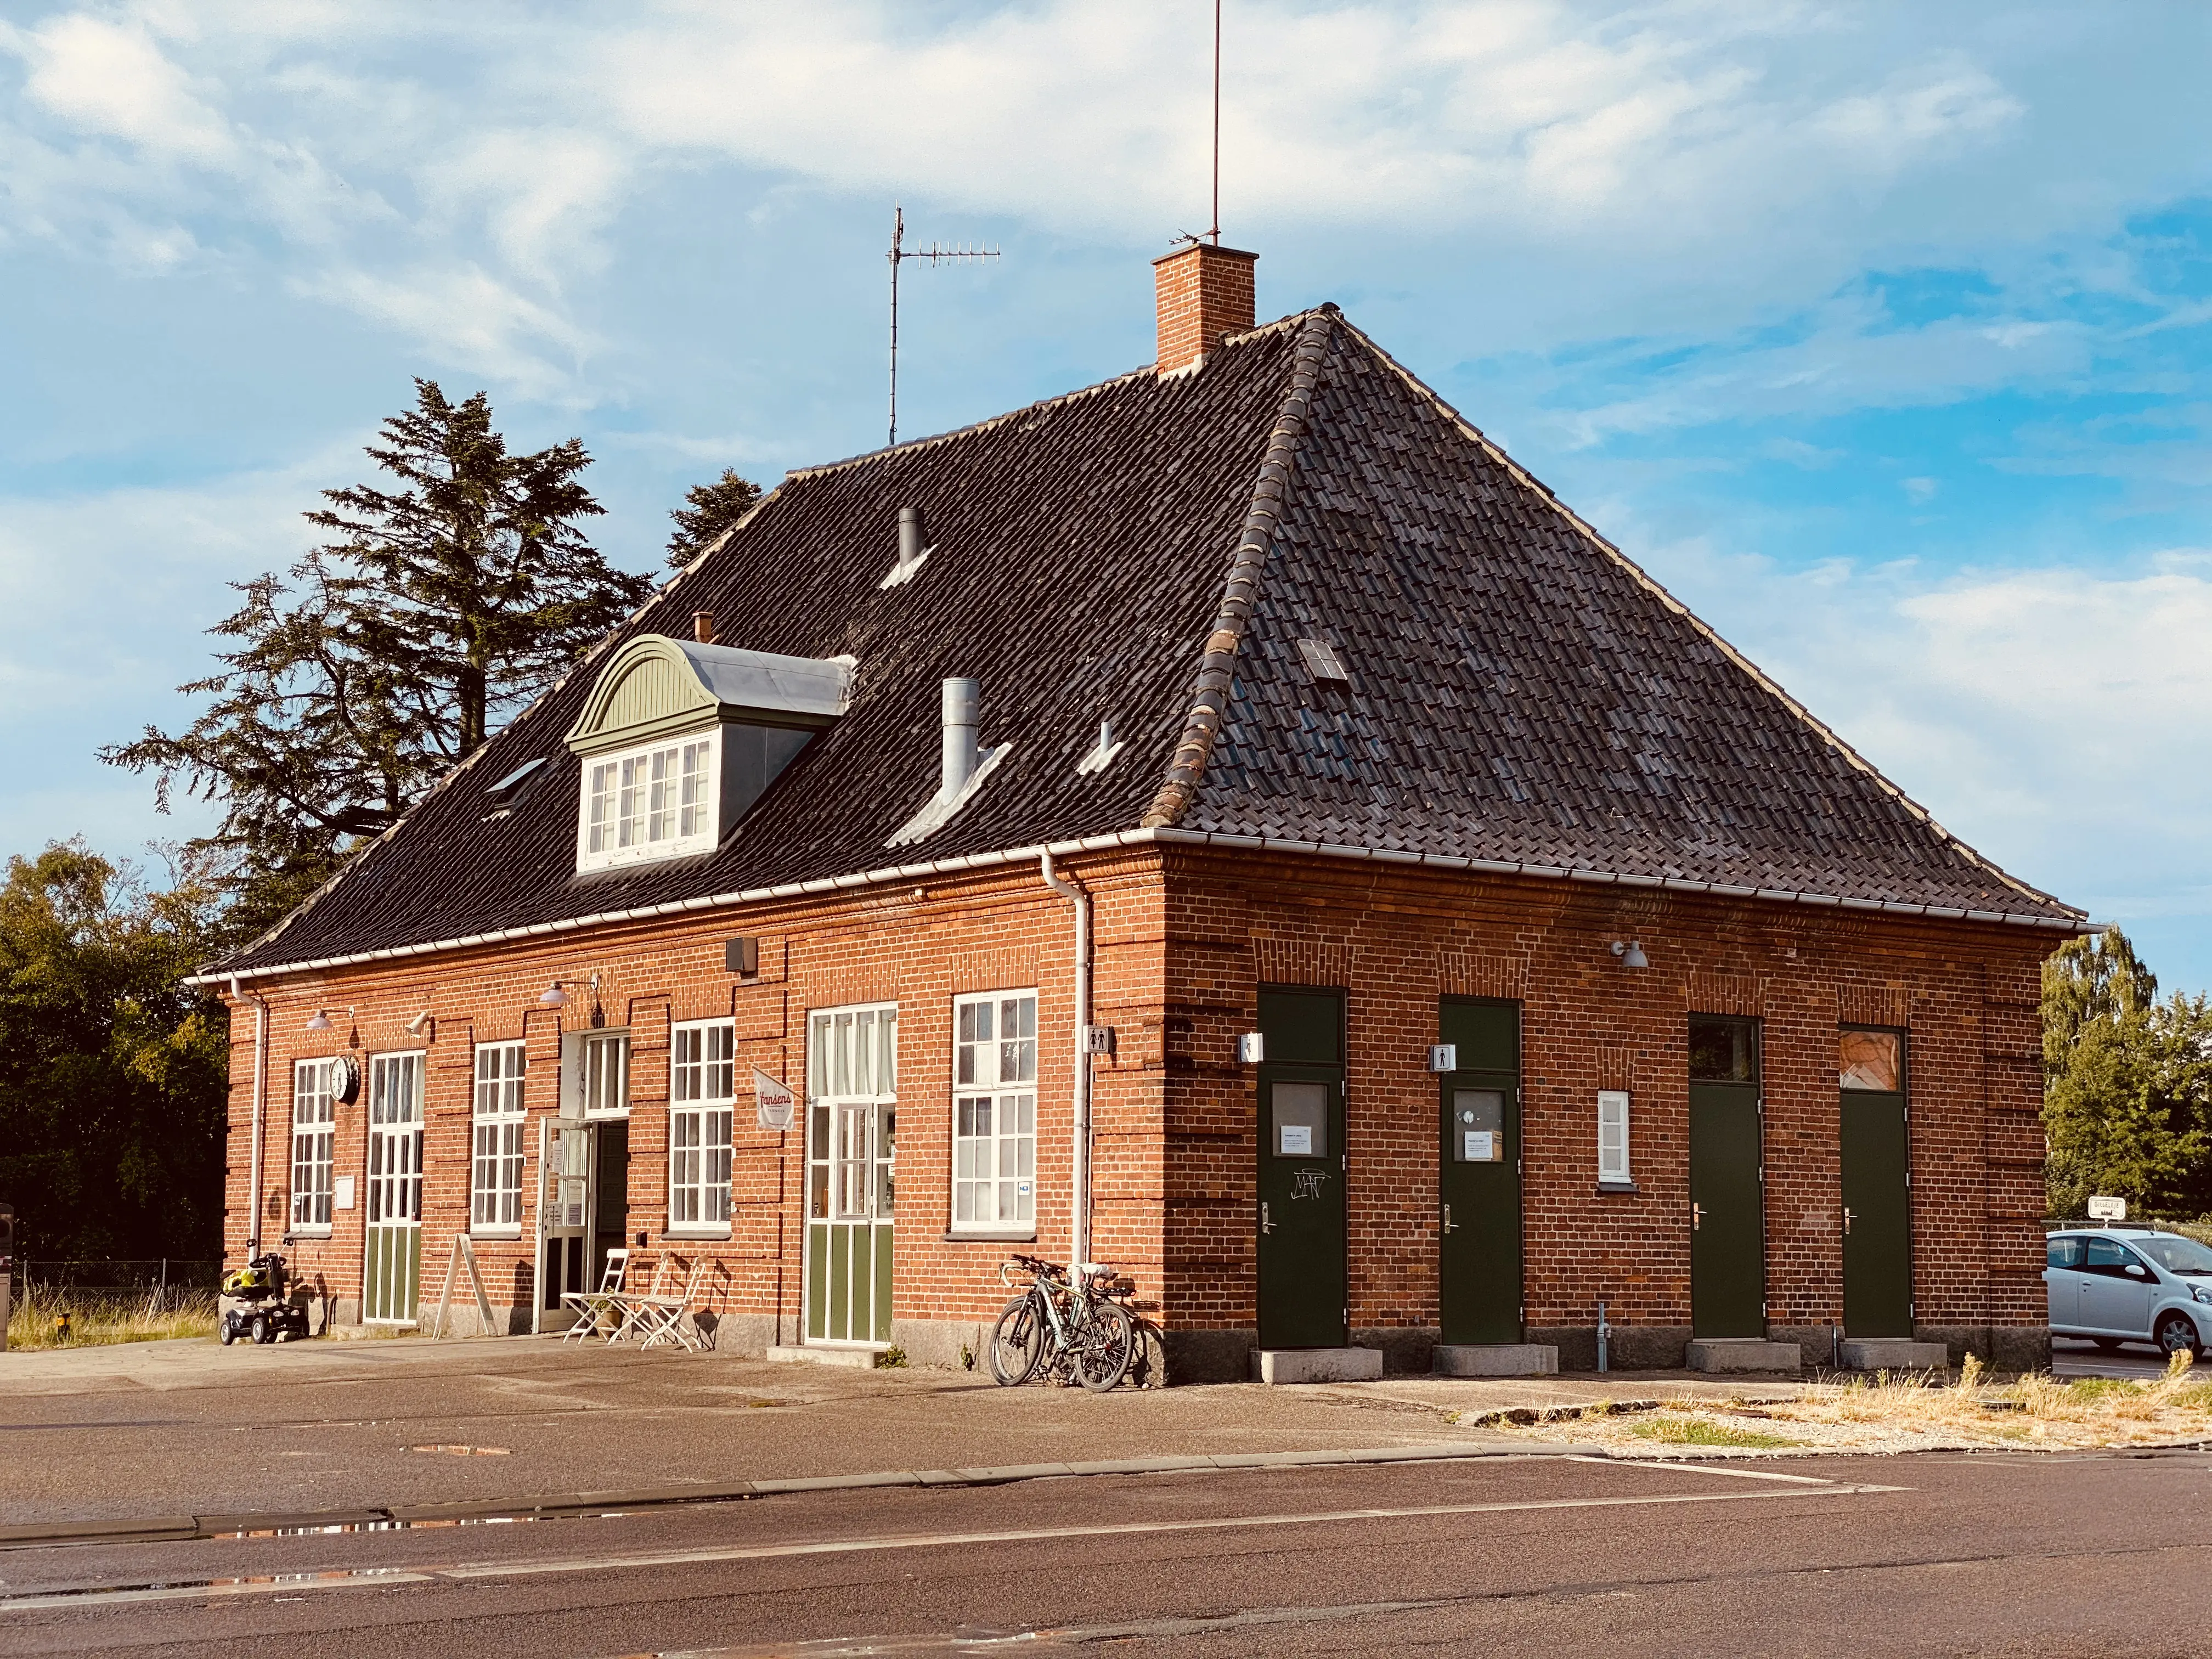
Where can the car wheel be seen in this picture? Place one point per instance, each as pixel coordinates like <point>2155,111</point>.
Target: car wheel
<point>2177,1334</point>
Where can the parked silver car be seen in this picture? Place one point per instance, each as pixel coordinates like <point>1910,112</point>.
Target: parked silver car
<point>2115,1285</point>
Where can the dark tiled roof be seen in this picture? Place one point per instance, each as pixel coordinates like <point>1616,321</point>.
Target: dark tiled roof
<point>1152,551</point>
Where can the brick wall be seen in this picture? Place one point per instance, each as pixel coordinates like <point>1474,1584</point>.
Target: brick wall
<point>1182,940</point>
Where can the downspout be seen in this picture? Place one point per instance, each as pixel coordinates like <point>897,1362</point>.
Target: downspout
<point>1079,1228</point>
<point>260,1108</point>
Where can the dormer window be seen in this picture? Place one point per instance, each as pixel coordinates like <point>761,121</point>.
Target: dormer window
<point>657,803</point>
<point>679,738</point>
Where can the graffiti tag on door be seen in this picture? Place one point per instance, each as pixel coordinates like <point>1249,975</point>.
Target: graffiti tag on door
<point>1306,1183</point>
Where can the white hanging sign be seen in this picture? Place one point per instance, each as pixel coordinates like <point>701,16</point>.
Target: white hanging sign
<point>2108,1209</point>
<point>776,1102</point>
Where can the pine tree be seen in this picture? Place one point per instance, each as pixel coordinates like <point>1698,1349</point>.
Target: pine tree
<point>713,507</point>
<point>437,608</point>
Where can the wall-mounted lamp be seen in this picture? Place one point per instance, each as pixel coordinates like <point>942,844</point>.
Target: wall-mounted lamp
<point>321,1022</point>
<point>415,1025</point>
<point>1630,954</point>
<point>553,996</point>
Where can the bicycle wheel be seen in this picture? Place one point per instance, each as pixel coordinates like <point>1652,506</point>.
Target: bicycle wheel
<point>1110,1338</point>
<point>1016,1342</point>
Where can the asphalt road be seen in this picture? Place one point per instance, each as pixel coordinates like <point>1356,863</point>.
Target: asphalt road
<point>1993,1553</point>
<point>2137,1360</point>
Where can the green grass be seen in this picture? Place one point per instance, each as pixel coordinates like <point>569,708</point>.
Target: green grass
<point>1696,1431</point>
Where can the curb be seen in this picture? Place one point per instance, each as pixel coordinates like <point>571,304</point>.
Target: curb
<point>166,1529</point>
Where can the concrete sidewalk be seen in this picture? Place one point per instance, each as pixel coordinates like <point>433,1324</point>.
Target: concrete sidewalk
<point>192,1428</point>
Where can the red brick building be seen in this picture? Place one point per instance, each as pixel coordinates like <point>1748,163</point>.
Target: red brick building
<point>1468,935</point>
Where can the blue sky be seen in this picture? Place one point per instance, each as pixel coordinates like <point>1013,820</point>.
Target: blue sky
<point>1882,333</point>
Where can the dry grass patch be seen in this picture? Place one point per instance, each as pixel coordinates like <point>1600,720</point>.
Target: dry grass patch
<point>1910,1411</point>
<point>34,1321</point>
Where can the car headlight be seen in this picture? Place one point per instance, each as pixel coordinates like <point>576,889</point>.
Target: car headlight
<point>2201,1292</point>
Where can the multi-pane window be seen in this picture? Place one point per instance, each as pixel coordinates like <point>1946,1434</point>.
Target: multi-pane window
<point>653,803</point>
<point>605,1075</point>
<point>313,1115</point>
<point>496,1176</point>
<point>395,1138</point>
<point>852,1085</point>
<point>703,1093</point>
<point>994,1113</point>
<point>1613,1137</point>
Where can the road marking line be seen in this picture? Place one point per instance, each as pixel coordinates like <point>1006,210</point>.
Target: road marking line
<point>341,1578</point>
<point>1700,1468</point>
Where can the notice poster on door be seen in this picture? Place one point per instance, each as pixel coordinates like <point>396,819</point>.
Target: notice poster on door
<point>1481,1146</point>
<point>1298,1139</point>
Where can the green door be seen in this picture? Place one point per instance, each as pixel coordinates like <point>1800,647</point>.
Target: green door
<point>1728,1224</point>
<point>1303,1295</point>
<point>1479,1174</point>
<point>1877,1190</point>
<point>392,1251</point>
<point>852,1174</point>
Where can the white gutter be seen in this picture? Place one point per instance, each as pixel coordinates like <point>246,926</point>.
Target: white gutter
<point>1163,836</point>
<point>1078,1184</point>
<point>260,1106</point>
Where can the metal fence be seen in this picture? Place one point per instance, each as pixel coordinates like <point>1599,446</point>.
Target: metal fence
<point>158,1277</point>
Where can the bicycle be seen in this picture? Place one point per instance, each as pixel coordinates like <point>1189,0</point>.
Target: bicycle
<point>1079,1328</point>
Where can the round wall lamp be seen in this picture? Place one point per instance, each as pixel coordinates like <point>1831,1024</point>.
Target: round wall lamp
<point>553,996</point>
<point>1630,954</point>
<point>321,1022</point>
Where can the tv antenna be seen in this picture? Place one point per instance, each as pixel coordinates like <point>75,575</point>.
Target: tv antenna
<point>898,255</point>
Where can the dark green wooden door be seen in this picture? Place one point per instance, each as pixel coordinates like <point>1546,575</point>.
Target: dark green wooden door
<point>1728,1228</point>
<point>1303,1277</point>
<point>1479,1174</point>
<point>1877,1216</point>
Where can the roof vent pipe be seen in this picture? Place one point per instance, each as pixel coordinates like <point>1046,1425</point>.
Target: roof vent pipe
<point>912,537</point>
<point>702,626</point>
<point>961,698</point>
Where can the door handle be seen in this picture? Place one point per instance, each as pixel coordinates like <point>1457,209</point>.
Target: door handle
<point>1266,1225</point>
<point>1696,1216</point>
<point>1447,1220</point>
<point>1847,1220</point>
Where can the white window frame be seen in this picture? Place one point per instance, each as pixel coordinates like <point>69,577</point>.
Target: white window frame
<point>497,1143</point>
<point>994,1099</point>
<point>652,801</point>
<point>314,1140</point>
<point>702,1095</point>
<point>1614,1169</point>
<point>851,1092</point>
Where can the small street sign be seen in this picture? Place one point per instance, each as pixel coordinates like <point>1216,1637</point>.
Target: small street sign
<point>2108,1209</point>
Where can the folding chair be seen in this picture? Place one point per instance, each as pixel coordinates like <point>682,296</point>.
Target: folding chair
<point>629,1307</point>
<point>593,1306</point>
<point>660,1318</point>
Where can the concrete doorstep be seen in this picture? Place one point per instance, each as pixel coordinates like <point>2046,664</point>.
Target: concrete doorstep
<point>1317,1365</point>
<point>1894,1354</point>
<point>1496,1360</point>
<point>1715,1353</point>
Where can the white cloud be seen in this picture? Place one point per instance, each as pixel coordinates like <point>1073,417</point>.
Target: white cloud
<point>463,313</point>
<point>2054,719</point>
<point>105,78</point>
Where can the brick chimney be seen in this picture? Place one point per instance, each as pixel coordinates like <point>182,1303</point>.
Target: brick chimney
<point>1204,292</point>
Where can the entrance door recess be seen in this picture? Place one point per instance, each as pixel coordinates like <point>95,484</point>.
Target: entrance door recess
<point>1877,1185</point>
<point>1479,1174</point>
<point>391,1256</point>
<point>1303,1281</point>
<point>1728,1222</point>
<point>852,1167</point>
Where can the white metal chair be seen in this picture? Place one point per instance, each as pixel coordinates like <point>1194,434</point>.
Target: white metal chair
<point>661,1318</point>
<point>630,1307</point>
<point>594,1307</point>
